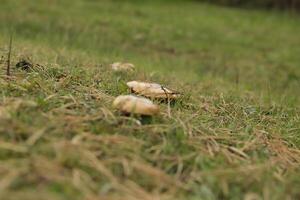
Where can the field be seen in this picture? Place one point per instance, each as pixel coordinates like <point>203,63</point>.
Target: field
<point>234,133</point>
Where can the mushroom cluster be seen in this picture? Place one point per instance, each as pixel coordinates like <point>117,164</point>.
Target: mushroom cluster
<point>141,103</point>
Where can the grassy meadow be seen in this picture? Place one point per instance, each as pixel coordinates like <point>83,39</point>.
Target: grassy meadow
<point>234,133</point>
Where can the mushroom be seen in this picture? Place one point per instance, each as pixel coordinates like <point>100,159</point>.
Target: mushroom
<point>135,105</point>
<point>118,66</point>
<point>152,90</point>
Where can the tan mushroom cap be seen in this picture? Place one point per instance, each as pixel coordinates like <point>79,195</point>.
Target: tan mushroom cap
<point>135,105</point>
<point>152,90</point>
<point>118,66</point>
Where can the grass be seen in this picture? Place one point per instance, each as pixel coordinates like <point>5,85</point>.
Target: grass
<point>233,135</point>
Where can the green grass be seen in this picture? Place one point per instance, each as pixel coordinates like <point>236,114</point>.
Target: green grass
<point>235,133</point>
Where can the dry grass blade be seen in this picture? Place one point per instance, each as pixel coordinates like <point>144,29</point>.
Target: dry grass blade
<point>157,174</point>
<point>35,137</point>
<point>13,147</point>
<point>238,152</point>
<point>9,55</point>
<point>95,163</point>
<point>7,180</point>
<point>133,191</point>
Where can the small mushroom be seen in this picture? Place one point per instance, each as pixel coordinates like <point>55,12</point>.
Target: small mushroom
<point>152,90</point>
<point>118,66</point>
<point>135,105</point>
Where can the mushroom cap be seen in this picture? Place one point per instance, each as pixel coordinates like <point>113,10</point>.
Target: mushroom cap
<point>135,105</point>
<point>152,90</point>
<point>118,66</point>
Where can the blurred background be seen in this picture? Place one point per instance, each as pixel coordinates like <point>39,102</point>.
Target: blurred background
<point>254,43</point>
<point>265,4</point>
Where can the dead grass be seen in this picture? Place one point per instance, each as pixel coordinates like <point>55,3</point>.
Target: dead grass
<point>60,138</point>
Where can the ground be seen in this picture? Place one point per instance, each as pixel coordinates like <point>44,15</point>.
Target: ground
<point>234,133</point>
